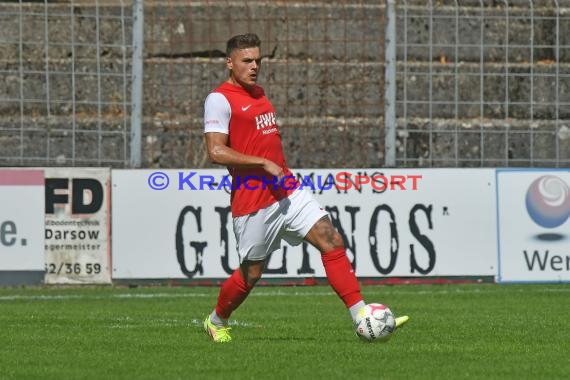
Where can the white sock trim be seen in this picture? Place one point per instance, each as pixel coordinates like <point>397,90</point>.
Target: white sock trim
<point>218,321</point>
<point>353,310</point>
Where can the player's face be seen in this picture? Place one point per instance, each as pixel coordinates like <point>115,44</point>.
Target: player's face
<point>244,65</point>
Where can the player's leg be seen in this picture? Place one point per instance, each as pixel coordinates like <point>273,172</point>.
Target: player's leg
<point>307,220</point>
<point>236,289</point>
<point>339,271</point>
<point>311,223</point>
<point>338,268</point>
<point>232,294</point>
<point>254,236</point>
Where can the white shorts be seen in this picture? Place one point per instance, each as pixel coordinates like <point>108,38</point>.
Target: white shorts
<point>260,233</point>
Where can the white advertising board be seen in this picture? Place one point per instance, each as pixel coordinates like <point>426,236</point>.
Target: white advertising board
<point>77,216</point>
<point>534,225</point>
<point>434,222</point>
<point>21,224</point>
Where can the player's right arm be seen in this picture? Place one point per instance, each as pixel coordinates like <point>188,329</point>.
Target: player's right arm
<point>220,153</point>
<point>217,112</point>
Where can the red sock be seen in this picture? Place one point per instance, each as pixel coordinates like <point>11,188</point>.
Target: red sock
<point>341,276</point>
<point>233,292</point>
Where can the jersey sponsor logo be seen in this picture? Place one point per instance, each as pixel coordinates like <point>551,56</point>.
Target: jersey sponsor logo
<point>245,108</point>
<point>269,131</point>
<point>266,120</point>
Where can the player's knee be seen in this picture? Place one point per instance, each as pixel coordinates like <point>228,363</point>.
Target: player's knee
<point>332,242</point>
<point>252,280</point>
<point>252,274</point>
<point>336,240</point>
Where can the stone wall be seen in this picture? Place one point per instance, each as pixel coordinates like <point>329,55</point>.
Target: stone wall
<point>323,70</point>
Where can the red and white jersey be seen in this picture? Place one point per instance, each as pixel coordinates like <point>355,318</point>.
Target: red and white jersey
<point>249,121</point>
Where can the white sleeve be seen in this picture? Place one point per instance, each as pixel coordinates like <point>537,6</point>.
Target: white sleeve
<point>217,113</point>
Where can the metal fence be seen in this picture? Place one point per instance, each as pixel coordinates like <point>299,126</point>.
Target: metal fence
<point>363,83</point>
<point>322,69</point>
<point>65,73</point>
<point>482,83</point>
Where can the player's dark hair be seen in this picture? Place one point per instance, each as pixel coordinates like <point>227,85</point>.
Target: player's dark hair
<point>242,41</point>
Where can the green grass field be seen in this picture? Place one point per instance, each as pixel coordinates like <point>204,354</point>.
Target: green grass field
<point>481,331</point>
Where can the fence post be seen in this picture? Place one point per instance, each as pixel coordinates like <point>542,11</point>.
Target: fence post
<point>390,85</point>
<point>137,83</point>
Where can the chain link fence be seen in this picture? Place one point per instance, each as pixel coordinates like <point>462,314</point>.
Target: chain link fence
<point>322,69</point>
<point>65,70</point>
<point>365,83</point>
<point>483,83</point>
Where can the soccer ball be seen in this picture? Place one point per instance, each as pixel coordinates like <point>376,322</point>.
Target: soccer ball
<point>375,323</point>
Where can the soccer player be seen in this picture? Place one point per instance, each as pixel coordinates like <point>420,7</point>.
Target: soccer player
<point>241,133</point>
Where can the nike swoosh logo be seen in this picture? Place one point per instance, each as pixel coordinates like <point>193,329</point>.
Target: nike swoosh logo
<point>245,108</point>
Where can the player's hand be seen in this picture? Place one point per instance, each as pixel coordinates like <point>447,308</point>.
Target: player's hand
<point>274,169</point>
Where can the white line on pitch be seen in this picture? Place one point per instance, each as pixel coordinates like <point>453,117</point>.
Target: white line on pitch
<point>266,293</point>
